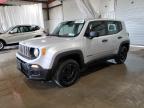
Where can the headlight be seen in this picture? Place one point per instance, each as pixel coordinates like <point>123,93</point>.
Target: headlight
<point>34,52</point>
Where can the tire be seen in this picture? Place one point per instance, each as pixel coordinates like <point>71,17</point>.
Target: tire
<point>122,55</point>
<point>67,73</point>
<point>1,45</point>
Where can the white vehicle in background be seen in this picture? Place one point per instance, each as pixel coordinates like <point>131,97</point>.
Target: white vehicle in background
<point>20,33</point>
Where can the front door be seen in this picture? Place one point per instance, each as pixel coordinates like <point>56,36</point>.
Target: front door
<point>100,46</point>
<point>14,35</point>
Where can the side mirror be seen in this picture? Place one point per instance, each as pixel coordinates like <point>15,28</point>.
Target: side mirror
<point>11,32</point>
<point>93,34</point>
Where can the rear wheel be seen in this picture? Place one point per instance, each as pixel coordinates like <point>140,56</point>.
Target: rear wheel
<point>122,55</point>
<point>67,73</point>
<point>1,45</point>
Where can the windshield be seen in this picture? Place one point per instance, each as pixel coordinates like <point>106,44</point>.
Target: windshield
<point>68,29</point>
<point>8,29</point>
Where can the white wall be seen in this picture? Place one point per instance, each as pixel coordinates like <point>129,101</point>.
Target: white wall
<point>72,9</point>
<point>17,15</point>
<point>107,9</point>
<point>133,15</point>
<point>104,7</point>
<point>69,11</point>
<point>56,17</point>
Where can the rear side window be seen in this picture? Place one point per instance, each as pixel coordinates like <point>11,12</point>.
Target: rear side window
<point>114,27</point>
<point>24,29</point>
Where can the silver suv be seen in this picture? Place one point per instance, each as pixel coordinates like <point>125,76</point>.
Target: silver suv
<point>19,33</point>
<point>72,45</point>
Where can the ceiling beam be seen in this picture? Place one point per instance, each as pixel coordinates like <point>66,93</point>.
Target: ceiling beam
<point>50,1</point>
<point>36,1</point>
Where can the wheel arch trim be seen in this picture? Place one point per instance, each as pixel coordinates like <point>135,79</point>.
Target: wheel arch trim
<point>3,41</point>
<point>66,54</point>
<point>125,42</point>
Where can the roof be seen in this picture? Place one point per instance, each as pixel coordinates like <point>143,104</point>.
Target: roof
<point>94,19</point>
<point>99,19</point>
<point>26,25</point>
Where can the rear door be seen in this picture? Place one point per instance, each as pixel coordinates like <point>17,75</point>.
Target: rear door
<point>116,34</point>
<point>14,36</point>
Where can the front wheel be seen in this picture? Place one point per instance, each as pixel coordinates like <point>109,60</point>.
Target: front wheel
<point>1,45</point>
<point>122,55</point>
<point>67,73</point>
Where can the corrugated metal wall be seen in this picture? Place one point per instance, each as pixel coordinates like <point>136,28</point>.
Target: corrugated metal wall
<point>132,12</point>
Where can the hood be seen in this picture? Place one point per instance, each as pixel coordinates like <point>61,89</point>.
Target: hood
<point>46,41</point>
<point>5,35</point>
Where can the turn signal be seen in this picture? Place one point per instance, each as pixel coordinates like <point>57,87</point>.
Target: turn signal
<point>43,51</point>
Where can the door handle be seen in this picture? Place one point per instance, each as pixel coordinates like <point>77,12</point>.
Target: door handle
<point>105,40</point>
<point>120,37</point>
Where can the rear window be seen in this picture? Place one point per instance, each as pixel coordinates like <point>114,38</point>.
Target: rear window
<point>34,28</point>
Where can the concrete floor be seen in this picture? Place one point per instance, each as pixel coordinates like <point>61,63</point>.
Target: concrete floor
<point>106,85</point>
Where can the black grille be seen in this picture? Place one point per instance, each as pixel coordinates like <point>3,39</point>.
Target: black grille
<point>24,51</point>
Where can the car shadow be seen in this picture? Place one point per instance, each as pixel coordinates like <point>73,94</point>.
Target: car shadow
<point>40,84</point>
<point>94,67</point>
<point>91,68</point>
<point>8,49</point>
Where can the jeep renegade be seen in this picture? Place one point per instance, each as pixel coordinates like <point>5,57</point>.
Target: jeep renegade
<point>73,44</point>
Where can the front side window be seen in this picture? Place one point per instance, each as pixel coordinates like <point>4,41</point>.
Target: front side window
<point>68,29</point>
<point>99,27</point>
<point>15,30</point>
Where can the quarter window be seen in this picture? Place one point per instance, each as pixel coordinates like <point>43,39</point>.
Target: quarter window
<point>114,27</point>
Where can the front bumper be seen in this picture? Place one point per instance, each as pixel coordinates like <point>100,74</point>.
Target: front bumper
<point>34,73</point>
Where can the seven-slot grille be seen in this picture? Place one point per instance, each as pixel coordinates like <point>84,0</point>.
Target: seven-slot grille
<point>24,51</point>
